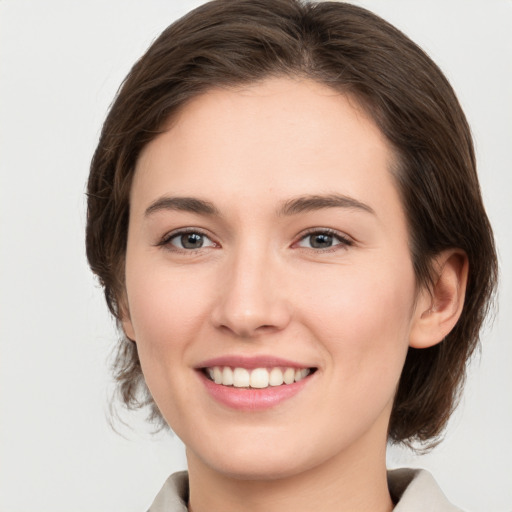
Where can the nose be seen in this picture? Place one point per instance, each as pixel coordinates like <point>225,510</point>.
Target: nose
<point>252,297</point>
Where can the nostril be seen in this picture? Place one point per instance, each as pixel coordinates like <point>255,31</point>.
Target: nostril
<point>244,330</point>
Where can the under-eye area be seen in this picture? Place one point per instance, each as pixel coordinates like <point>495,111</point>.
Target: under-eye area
<point>258,378</point>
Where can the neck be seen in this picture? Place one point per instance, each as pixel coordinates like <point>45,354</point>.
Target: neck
<point>352,482</point>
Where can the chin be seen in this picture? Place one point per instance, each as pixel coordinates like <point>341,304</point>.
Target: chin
<point>253,462</point>
<point>263,470</point>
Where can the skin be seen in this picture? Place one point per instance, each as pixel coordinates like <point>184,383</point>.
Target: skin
<point>257,286</point>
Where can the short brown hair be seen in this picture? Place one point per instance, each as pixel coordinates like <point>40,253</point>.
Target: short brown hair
<point>226,43</point>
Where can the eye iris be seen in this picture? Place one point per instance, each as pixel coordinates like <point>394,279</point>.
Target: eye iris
<point>321,240</point>
<point>191,241</point>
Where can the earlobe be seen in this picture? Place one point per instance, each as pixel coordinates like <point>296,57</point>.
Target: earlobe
<point>126,322</point>
<point>438,309</point>
<point>128,328</point>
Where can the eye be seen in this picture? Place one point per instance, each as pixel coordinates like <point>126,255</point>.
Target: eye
<point>323,239</point>
<point>187,241</point>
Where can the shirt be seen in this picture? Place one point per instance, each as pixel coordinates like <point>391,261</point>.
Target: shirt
<point>413,490</point>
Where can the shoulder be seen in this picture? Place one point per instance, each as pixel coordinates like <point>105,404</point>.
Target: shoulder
<point>173,496</point>
<point>415,490</point>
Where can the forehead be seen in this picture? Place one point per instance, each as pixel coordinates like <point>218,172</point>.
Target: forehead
<point>263,142</point>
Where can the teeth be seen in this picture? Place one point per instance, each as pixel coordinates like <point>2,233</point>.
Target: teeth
<point>289,376</point>
<point>227,376</point>
<point>300,374</point>
<point>258,378</point>
<point>241,378</point>
<point>217,375</point>
<point>276,377</point>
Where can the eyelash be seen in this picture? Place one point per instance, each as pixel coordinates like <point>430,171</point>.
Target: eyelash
<point>344,242</point>
<point>167,239</point>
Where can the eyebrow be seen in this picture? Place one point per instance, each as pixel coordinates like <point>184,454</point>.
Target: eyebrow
<point>186,204</point>
<point>318,202</point>
<point>291,207</point>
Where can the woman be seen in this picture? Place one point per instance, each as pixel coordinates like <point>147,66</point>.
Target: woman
<point>285,215</point>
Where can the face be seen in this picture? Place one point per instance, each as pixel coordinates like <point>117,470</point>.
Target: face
<point>269,283</point>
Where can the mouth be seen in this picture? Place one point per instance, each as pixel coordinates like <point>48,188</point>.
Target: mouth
<point>256,383</point>
<point>256,378</point>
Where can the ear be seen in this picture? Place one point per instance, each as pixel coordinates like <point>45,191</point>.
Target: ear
<point>125,319</point>
<point>438,309</point>
<point>127,326</point>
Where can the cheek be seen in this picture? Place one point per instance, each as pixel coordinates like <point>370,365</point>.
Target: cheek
<point>167,313</point>
<point>165,307</point>
<point>363,317</point>
<point>364,328</point>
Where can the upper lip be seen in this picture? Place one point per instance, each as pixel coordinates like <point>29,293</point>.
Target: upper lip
<point>251,362</point>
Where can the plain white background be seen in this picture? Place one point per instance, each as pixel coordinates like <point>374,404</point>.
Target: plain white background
<point>61,63</point>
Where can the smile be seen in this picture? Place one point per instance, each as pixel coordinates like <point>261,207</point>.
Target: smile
<point>256,378</point>
<point>254,383</point>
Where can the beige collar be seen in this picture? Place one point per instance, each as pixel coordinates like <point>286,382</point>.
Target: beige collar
<point>414,490</point>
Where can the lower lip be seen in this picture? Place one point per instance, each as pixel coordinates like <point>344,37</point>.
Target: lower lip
<point>251,399</point>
